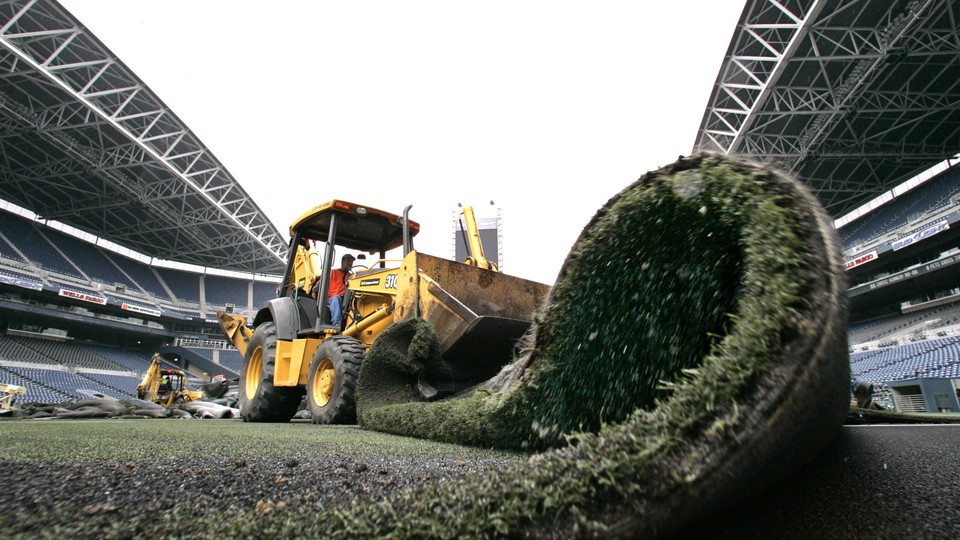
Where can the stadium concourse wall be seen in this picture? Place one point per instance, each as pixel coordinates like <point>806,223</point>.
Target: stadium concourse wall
<point>38,257</point>
<point>902,257</point>
<point>75,316</point>
<point>903,263</point>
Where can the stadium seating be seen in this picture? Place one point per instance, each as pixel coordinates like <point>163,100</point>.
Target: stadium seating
<point>34,245</point>
<point>64,259</point>
<point>7,252</point>
<point>206,353</point>
<point>877,330</point>
<point>231,359</point>
<point>128,360</point>
<point>60,352</point>
<point>36,392</point>
<point>924,199</point>
<point>141,273</point>
<point>263,291</point>
<point>89,259</point>
<point>123,384</point>
<point>221,290</point>
<point>932,358</point>
<point>19,275</point>
<point>184,285</point>
<point>64,382</point>
<point>118,371</point>
<point>12,350</point>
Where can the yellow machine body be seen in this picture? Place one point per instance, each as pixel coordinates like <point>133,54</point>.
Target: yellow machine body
<point>478,312</point>
<point>165,386</point>
<point>472,309</point>
<point>8,394</point>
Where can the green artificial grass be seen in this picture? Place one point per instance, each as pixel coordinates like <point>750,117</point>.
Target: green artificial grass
<point>645,295</point>
<point>135,439</point>
<point>167,478</point>
<point>698,325</point>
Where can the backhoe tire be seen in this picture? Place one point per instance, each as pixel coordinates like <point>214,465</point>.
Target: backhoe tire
<point>260,400</point>
<point>332,381</point>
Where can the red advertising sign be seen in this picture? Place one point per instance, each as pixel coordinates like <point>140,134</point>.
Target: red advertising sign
<point>862,259</point>
<point>83,296</point>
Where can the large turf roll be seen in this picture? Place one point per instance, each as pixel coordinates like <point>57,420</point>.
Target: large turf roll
<point>693,349</point>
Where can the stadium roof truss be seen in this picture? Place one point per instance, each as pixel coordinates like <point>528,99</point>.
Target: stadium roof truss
<point>851,96</point>
<point>84,142</point>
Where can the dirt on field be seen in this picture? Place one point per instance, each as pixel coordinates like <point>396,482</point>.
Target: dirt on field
<point>308,471</point>
<point>106,498</point>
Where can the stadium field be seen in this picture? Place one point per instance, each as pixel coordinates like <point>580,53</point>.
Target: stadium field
<point>132,478</point>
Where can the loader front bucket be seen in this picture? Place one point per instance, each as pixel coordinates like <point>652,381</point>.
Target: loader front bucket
<point>478,314</point>
<point>484,346</point>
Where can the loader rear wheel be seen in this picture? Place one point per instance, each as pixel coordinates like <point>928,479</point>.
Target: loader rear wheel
<point>260,400</point>
<point>332,381</point>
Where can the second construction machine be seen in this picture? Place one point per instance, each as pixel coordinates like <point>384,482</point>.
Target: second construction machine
<point>478,312</point>
<point>165,387</point>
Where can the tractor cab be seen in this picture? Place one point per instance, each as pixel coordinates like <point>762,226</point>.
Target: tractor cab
<point>339,224</point>
<point>165,386</point>
<point>171,384</point>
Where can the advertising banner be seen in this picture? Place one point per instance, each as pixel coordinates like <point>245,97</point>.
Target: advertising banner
<point>862,259</point>
<point>921,270</point>
<point>915,237</point>
<point>141,309</point>
<point>83,296</point>
<point>33,286</point>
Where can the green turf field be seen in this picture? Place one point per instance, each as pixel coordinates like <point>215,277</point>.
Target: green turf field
<point>77,440</point>
<point>167,478</point>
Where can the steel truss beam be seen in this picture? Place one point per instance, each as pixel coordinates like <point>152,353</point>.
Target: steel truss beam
<point>77,121</point>
<point>819,88</point>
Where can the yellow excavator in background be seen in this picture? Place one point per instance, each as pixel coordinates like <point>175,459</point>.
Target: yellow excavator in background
<point>294,348</point>
<point>8,394</point>
<point>165,386</point>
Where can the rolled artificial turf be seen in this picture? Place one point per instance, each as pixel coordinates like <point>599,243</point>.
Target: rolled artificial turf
<point>692,349</point>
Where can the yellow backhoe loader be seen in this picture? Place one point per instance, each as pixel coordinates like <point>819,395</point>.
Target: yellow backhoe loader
<point>165,386</point>
<point>478,312</point>
<point>8,395</point>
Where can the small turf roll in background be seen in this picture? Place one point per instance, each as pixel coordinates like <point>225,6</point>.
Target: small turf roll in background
<point>693,349</point>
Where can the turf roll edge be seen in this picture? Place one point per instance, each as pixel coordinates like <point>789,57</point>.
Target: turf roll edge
<point>692,351</point>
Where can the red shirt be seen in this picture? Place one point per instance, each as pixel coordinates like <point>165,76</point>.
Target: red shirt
<point>338,283</point>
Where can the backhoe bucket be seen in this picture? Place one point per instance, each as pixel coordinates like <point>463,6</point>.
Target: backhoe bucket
<point>234,327</point>
<point>478,314</point>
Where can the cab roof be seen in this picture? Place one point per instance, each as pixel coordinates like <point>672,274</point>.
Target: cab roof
<point>358,227</point>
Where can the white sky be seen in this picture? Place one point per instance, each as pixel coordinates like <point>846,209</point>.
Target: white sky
<point>548,108</point>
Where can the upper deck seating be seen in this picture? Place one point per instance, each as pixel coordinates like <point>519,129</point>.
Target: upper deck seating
<point>27,238</point>
<point>184,285</point>
<point>222,290</point>
<point>927,198</point>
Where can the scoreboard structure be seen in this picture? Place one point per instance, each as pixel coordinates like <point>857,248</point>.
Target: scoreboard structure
<point>490,225</point>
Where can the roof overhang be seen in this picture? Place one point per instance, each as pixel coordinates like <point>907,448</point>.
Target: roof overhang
<point>852,97</point>
<point>86,143</point>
